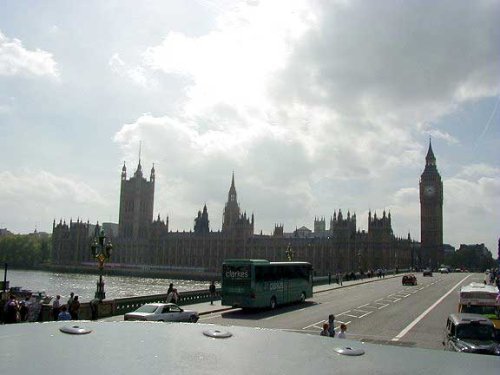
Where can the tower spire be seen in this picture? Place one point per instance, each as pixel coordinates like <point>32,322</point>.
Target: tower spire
<point>430,159</point>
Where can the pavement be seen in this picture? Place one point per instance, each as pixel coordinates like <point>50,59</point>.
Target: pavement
<point>206,308</point>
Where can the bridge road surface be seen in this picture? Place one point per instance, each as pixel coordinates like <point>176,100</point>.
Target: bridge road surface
<point>383,311</point>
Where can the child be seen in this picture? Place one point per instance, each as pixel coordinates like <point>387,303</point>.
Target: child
<point>324,332</point>
<point>343,328</point>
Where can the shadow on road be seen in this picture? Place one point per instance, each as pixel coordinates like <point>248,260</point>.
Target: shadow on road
<point>257,314</point>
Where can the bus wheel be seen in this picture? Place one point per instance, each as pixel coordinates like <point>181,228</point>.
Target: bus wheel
<point>303,297</point>
<point>272,305</point>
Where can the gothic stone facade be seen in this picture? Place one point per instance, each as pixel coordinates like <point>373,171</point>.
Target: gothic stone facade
<point>148,243</point>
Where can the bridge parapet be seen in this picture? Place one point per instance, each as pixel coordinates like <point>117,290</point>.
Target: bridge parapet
<point>120,306</point>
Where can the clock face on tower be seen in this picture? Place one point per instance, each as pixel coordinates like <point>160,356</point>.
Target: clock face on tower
<point>429,190</point>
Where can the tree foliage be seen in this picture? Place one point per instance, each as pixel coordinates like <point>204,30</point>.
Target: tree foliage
<point>24,250</point>
<point>472,257</point>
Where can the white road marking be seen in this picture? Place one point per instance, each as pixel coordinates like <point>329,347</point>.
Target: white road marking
<point>370,307</point>
<point>352,316</point>
<point>366,304</point>
<point>419,318</point>
<point>363,311</point>
<point>381,307</point>
<point>314,324</point>
<point>368,313</point>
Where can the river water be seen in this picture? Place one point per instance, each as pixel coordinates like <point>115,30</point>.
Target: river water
<point>84,285</point>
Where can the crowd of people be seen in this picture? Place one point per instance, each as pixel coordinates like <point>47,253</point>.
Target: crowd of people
<point>28,309</point>
<point>329,328</point>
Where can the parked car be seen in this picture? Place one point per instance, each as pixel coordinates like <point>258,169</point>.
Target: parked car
<point>409,279</point>
<point>470,333</point>
<point>427,272</point>
<point>162,312</point>
<point>443,270</point>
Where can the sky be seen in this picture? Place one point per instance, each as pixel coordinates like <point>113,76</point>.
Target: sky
<point>314,105</point>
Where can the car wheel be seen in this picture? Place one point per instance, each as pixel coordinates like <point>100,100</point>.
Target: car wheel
<point>273,304</point>
<point>193,319</point>
<point>303,297</point>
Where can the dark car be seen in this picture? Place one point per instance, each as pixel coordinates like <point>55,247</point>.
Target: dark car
<point>470,333</point>
<point>427,272</point>
<point>409,280</point>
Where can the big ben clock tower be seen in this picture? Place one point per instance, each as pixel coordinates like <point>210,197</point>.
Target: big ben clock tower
<point>431,213</point>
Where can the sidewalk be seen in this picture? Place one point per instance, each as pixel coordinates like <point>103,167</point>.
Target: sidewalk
<point>206,308</point>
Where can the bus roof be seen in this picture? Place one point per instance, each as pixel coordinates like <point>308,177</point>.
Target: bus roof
<point>261,262</point>
<point>247,261</point>
<point>479,288</point>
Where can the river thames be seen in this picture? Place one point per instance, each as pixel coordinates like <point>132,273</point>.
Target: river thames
<point>84,285</point>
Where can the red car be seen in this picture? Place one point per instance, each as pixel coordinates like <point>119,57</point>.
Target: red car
<point>409,280</point>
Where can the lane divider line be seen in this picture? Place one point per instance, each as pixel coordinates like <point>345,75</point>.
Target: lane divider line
<point>421,316</point>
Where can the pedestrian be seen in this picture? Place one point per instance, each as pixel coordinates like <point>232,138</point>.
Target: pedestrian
<point>173,296</point>
<point>170,288</point>
<point>211,288</point>
<point>64,314</point>
<point>341,334</point>
<point>94,312</point>
<point>324,332</point>
<point>331,325</point>
<point>24,309</point>
<point>56,307</point>
<point>12,311</point>
<point>74,308</point>
<point>70,299</point>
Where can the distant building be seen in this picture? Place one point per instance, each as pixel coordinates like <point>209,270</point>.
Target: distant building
<point>144,242</point>
<point>5,232</point>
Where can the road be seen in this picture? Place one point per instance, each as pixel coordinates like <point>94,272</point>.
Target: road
<point>382,312</point>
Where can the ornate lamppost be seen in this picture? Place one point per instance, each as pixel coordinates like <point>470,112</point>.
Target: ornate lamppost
<point>289,253</point>
<point>101,251</point>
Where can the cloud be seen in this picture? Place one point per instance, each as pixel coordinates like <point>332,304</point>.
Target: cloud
<point>315,105</point>
<point>40,197</point>
<point>136,74</point>
<point>45,186</point>
<point>475,171</point>
<point>472,220</point>
<point>382,60</point>
<point>15,59</point>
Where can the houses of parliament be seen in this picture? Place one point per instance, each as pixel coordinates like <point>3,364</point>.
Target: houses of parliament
<point>145,242</point>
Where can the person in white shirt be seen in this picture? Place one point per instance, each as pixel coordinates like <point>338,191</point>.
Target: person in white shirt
<point>341,334</point>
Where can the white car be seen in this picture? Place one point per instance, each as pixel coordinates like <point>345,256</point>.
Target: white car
<point>162,312</point>
<point>443,270</point>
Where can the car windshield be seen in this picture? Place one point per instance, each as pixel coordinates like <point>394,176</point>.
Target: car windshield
<point>475,332</point>
<point>147,309</point>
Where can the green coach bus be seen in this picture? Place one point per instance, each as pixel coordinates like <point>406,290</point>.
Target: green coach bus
<point>257,283</point>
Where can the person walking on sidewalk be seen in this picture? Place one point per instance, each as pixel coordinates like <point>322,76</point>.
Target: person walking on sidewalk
<point>211,288</point>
